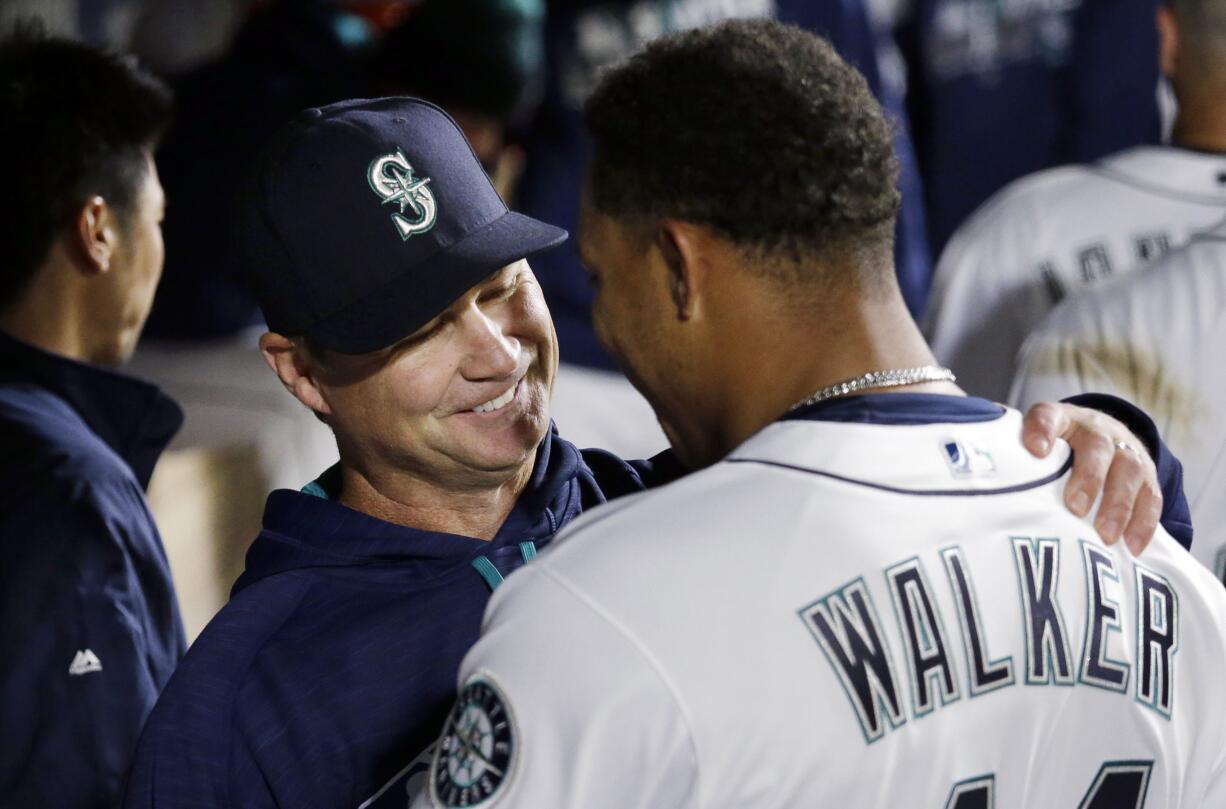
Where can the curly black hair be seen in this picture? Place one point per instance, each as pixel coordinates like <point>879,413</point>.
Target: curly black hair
<point>76,122</point>
<point>751,127</point>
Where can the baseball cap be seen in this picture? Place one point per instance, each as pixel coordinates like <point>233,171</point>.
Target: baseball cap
<point>369,217</point>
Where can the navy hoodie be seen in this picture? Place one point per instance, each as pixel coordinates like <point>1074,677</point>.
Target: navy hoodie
<point>89,626</point>
<point>335,660</point>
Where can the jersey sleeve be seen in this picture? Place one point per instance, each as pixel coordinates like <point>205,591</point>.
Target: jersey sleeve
<point>84,662</point>
<point>558,707</point>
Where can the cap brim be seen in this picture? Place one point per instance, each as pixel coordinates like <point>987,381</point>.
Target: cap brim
<point>401,307</point>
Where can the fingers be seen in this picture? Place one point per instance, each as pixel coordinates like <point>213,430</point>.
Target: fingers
<point>1146,515</point>
<point>1107,461</point>
<point>1093,454</point>
<point>1044,423</point>
<point>1124,484</point>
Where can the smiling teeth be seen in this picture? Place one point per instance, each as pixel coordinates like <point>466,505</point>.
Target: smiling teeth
<point>499,403</point>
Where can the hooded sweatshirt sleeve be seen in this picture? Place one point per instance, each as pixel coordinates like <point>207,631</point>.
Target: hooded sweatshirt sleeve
<point>90,635</point>
<point>196,753</point>
<point>212,742</point>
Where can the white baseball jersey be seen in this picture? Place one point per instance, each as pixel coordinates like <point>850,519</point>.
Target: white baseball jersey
<point>846,615</point>
<point>1046,236</point>
<point>1157,339</point>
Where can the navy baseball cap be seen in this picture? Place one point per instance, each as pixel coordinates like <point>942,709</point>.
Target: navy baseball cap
<point>368,218</point>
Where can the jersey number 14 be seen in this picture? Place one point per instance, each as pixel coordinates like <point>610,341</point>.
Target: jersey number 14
<point>1118,785</point>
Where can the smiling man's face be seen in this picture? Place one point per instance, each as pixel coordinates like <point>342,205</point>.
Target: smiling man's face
<point>463,400</point>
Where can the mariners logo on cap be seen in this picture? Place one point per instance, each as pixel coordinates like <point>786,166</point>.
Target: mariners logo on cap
<point>391,177</point>
<point>476,750</point>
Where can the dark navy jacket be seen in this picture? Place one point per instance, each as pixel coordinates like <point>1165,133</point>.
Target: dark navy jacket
<point>582,36</point>
<point>331,669</point>
<point>89,626</point>
<point>335,660</point>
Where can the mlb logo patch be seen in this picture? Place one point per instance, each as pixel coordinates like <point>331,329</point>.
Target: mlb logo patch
<point>965,460</point>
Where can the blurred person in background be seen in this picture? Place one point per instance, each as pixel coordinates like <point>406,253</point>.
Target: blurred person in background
<point>1154,337</point>
<point>1060,230</point>
<point>89,627</point>
<point>593,403</point>
<point>403,314</point>
<point>997,89</point>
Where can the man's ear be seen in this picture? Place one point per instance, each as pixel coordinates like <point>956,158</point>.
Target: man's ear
<point>297,370</point>
<point>1168,40</point>
<point>683,249</point>
<point>95,235</point>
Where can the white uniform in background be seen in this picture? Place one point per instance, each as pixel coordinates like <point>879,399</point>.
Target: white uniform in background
<point>1157,338</point>
<point>1046,236</point>
<point>846,615</point>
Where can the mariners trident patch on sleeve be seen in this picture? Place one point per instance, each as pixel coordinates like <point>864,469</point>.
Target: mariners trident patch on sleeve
<point>477,748</point>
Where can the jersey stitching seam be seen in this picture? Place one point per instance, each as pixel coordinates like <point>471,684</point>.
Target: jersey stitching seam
<point>650,659</point>
<point>1111,173</point>
<point>1021,487</point>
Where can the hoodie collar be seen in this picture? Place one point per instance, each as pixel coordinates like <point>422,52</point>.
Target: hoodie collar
<point>309,529</point>
<point>134,418</point>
